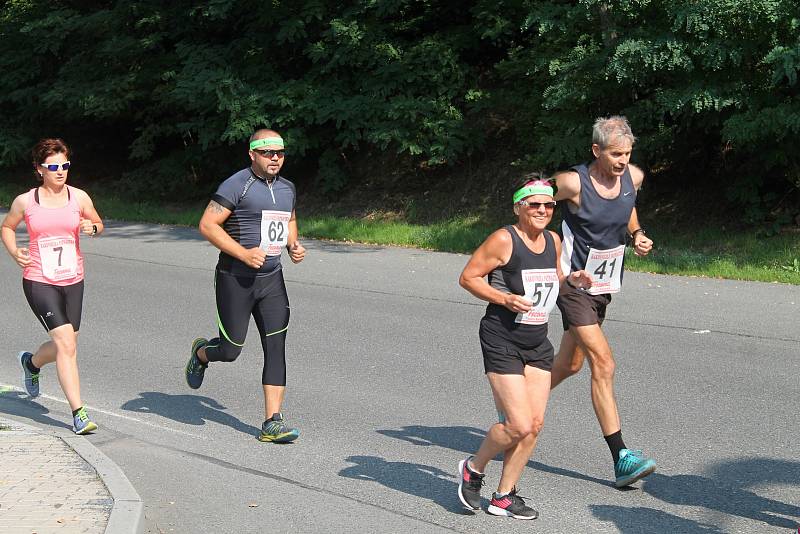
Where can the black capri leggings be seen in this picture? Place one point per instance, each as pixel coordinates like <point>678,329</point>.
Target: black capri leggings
<point>264,297</point>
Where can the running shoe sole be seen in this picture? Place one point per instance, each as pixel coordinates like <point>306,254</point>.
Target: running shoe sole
<point>24,375</point>
<point>640,473</point>
<point>496,510</point>
<point>461,498</point>
<point>286,437</point>
<point>90,427</point>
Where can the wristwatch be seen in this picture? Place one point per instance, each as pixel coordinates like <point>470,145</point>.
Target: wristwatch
<point>94,229</point>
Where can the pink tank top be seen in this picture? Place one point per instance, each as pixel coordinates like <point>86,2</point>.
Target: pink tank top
<point>54,243</point>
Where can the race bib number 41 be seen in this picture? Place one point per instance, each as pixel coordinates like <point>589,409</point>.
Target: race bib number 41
<point>541,288</point>
<point>274,231</point>
<point>605,268</point>
<point>59,258</point>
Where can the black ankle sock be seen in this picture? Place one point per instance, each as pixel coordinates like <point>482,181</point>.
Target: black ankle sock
<point>29,364</point>
<point>75,412</point>
<point>615,444</point>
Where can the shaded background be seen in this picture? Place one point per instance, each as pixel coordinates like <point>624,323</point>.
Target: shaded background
<point>399,96</point>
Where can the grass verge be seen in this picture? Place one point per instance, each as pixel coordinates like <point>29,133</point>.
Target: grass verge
<point>772,260</point>
<point>710,252</point>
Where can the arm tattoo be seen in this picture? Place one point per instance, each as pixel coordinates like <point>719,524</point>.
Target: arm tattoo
<point>215,207</point>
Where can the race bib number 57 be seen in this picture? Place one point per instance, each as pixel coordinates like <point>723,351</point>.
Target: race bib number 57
<point>605,268</point>
<point>274,231</point>
<point>541,288</point>
<point>59,258</point>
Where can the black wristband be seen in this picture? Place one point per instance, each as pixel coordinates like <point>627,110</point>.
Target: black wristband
<point>633,234</point>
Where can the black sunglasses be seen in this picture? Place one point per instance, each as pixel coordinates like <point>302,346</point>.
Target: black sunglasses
<point>270,153</point>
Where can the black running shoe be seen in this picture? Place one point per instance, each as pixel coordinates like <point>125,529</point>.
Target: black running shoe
<point>469,486</point>
<point>195,369</point>
<point>511,505</point>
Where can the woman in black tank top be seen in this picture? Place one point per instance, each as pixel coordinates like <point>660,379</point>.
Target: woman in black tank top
<point>521,263</point>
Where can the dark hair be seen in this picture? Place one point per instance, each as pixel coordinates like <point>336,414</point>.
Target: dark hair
<point>46,148</point>
<point>523,180</point>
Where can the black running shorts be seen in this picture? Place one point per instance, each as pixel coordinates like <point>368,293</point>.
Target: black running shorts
<point>55,306</point>
<point>579,308</point>
<point>502,356</point>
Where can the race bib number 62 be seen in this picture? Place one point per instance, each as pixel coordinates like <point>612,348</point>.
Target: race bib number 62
<point>274,231</point>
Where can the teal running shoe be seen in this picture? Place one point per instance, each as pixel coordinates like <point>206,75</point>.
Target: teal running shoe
<point>81,424</point>
<point>632,466</point>
<point>274,430</point>
<point>30,380</point>
<point>195,369</point>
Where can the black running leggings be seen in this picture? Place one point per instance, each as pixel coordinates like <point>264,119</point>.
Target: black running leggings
<point>264,297</point>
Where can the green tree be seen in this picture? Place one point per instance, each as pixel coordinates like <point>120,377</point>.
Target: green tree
<point>172,90</point>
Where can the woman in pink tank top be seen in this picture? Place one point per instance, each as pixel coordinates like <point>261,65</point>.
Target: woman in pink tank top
<point>55,215</point>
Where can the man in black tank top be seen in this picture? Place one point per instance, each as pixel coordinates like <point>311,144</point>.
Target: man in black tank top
<point>599,213</point>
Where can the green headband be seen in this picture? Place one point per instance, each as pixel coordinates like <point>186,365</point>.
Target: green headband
<point>533,188</point>
<point>258,143</point>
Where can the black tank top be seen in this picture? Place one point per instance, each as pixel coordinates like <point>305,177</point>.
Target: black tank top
<point>508,279</point>
<point>600,223</point>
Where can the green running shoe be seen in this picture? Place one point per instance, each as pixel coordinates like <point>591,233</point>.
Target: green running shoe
<point>81,424</point>
<point>275,430</point>
<point>632,466</point>
<point>195,369</point>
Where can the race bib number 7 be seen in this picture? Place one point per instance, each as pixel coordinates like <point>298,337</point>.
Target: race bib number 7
<point>59,258</point>
<point>274,231</point>
<point>605,268</point>
<point>541,288</point>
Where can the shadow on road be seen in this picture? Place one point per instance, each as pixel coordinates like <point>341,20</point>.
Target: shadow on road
<point>152,233</point>
<point>188,409</point>
<point>639,520</point>
<point>415,479</point>
<point>20,405</point>
<point>157,233</point>
<point>468,439</point>
<point>726,489</point>
<point>337,247</point>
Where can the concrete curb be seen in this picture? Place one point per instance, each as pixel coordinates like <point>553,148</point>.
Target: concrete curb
<point>127,513</point>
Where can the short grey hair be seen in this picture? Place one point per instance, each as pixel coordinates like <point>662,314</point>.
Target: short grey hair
<point>607,130</point>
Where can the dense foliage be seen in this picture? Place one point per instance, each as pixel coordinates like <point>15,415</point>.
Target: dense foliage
<point>172,89</point>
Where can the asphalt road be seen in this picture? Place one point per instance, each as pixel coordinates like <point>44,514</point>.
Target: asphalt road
<point>386,385</point>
